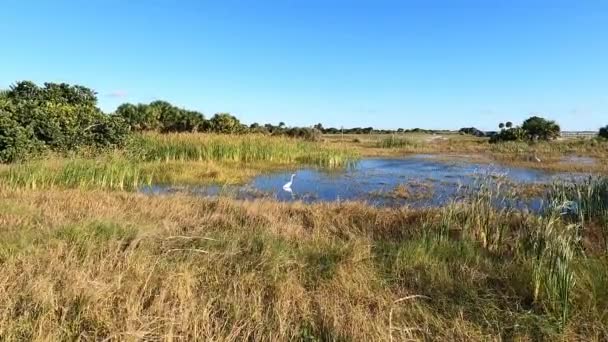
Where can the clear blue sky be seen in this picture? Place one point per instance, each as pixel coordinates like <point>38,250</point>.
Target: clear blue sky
<point>387,64</point>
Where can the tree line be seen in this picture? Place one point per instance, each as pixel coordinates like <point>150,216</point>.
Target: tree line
<point>62,117</point>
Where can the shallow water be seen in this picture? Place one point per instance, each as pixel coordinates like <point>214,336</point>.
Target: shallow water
<point>578,160</point>
<point>419,180</point>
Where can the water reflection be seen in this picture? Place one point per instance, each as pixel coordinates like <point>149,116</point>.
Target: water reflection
<point>416,181</point>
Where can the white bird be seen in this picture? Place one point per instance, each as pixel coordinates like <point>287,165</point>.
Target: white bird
<point>287,186</point>
<point>536,158</point>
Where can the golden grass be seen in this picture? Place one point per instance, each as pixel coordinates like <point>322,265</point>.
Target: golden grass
<point>96,265</point>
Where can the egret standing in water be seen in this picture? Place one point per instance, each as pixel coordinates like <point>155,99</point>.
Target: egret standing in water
<point>287,186</point>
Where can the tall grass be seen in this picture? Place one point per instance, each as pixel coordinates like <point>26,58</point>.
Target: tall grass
<point>107,173</point>
<point>241,148</point>
<point>395,142</point>
<point>554,246</point>
<point>174,159</point>
<point>108,265</point>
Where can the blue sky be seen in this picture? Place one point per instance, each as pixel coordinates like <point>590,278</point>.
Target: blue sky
<point>387,64</point>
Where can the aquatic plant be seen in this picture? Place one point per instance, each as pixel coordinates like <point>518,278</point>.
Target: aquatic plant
<point>111,174</point>
<point>241,148</point>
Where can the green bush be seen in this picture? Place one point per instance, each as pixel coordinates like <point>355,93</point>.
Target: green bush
<point>58,117</point>
<point>534,128</point>
<point>160,116</point>
<point>306,133</point>
<point>537,128</point>
<point>16,142</point>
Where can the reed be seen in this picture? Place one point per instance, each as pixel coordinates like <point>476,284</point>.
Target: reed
<point>241,148</point>
<point>105,173</point>
<point>554,246</point>
<point>395,142</point>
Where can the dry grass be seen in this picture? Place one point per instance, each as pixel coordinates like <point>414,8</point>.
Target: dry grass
<point>455,146</point>
<point>95,265</point>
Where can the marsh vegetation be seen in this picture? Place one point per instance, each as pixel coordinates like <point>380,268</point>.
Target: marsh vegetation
<point>84,255</point>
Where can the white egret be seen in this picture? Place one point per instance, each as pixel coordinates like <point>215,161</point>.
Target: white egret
<point>287,186</point>
<point>536,158</point>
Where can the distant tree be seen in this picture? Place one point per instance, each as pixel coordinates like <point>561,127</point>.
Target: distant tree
<point>224,123</point>
<point>509,124</point>
<point>501,125</point>
<point>319,127</point>
<point>306,133</point>
<point>604,132</point>
<point>281,125</point>
<point>160,116</point>
<point>537,128</point>
<point>472,131</point>
<point>139,117</point>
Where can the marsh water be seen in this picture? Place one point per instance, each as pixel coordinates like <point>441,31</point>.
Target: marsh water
<point>419,180</point>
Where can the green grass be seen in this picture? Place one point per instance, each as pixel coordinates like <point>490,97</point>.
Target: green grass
<point>103,173</point>
<point>175,159</point>
<point>394,142</point>
<point>241,148</point>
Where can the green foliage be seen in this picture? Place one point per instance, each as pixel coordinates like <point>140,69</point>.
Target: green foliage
<point>537,128</point>
<point>224,123</point>
<point>246,148</point>
<point>306,133</point>
<point>534,128</point>
<point>160,116</point>
<point>16,141</point>
<point>58,117</point>
<point>107,174</point>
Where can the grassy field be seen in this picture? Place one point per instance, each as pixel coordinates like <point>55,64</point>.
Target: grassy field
<point>96,265</point>
<point>84,257</point>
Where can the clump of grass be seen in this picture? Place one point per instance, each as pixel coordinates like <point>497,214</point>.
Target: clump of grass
<point>554,246</point>
<point>412,191</point>
<point>241,148</point>
<point>394,142</point>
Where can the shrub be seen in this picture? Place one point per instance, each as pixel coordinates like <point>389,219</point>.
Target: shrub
<point>16,142</point>
<point>472,131</point>
<point>160,116</point>
<point>534,128</point>
<point>603,133</point>
<point>306,133</point>
<point>59,117</point>
<point>225,123</point>
<point>537,128</point>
